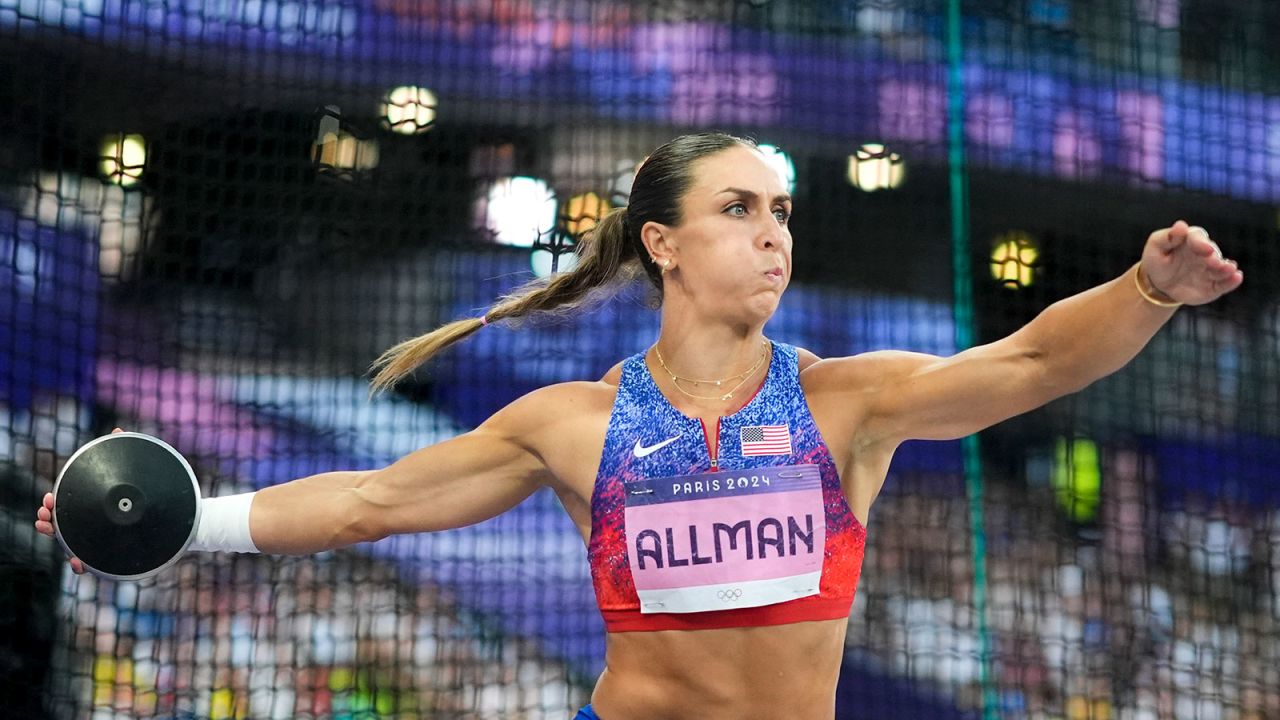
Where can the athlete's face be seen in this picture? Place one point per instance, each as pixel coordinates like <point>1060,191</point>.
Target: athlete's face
<point>731,254</point>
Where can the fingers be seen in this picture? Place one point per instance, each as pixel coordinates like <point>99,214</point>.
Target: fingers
<point>44,522</point>
<point>1223,270</point>
<point>1219,267</point>
<point>1199,243</point>
<point>1229,275</point>
<point>44,516</point>
<point>1171,239</point>
<point>1202,246</point>
<point>1223,273</point>
<point>1184,256</point>
<point>44,526</point>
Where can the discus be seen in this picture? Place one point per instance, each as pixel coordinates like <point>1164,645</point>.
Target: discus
<point>126,504</point>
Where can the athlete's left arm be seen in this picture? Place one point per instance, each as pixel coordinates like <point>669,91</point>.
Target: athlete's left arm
<point>901,396</point>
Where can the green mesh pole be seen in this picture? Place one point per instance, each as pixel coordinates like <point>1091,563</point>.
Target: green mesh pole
<point>963,309</point>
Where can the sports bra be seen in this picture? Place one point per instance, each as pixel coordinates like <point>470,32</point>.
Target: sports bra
<point>760,535</point>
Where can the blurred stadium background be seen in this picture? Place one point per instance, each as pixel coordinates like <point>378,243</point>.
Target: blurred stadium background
<point>215,215</point>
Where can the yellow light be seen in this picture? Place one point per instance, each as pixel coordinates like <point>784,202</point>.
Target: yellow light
<point>873,167</point>
<point>409,110</point>
<point>345,151</point>
<point>123,158</point>
<point>1013,258</point>
<point>582,212</point>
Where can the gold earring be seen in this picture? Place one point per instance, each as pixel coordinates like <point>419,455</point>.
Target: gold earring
<point>665,264</point>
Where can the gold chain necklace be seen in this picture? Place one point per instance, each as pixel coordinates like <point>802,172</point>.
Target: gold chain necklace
<point>745,375</point>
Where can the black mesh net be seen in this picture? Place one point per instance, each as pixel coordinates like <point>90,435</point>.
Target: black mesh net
<point>215,215</point>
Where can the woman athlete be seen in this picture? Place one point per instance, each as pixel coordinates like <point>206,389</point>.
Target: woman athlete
<point>721,481</point>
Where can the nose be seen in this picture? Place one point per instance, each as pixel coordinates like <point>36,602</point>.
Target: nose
<point>771,234</point>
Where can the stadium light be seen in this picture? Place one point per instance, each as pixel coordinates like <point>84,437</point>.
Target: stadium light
<point>345,151</point>
<point>1013,258</point>
<point>123,158</point>
<point>582,212</point>
<point>518,210</point>
<point>873,167</point>
<point>540,261</point>
<point>781,162</point>
<point>409,110</point>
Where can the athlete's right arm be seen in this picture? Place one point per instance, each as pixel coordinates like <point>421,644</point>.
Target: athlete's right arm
<point>460,481</point>
<point>457,482</point>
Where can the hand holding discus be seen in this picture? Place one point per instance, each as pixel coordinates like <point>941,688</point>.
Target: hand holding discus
<point>125,506</point>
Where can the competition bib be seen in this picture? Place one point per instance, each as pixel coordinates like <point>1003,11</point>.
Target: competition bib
<point>728,539</point>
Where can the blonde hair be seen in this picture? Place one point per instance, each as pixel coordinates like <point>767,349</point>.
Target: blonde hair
<point>610,255</point>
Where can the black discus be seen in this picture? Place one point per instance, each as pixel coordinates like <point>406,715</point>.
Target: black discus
<point>127,505</point>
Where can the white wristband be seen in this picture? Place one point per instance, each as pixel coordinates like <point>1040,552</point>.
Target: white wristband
<point>224,525</point>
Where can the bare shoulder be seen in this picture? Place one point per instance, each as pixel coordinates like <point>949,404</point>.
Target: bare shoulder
<point>864,366</point>
<point>806,358</point>
<point>843,391</point>
<point>563,425</point>
<point>863,372</point>
<point>614,376</point>
<point>558,404</point>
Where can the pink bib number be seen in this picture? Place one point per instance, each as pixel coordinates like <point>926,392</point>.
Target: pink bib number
<point>728,539</point>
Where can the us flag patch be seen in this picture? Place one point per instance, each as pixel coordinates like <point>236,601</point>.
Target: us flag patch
<point>765,440</point>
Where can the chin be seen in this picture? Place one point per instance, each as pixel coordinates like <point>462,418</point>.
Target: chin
<point>758,312</point>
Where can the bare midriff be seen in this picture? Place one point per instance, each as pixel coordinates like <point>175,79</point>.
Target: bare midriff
<point>750,673</point>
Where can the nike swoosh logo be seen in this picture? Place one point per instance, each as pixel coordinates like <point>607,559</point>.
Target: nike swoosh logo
<point>641,451</point>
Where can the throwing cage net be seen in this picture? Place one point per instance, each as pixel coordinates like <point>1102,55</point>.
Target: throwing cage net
<point>214,216</point>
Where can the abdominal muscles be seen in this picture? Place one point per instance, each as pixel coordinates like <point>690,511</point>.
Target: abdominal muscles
<point>733,673</point>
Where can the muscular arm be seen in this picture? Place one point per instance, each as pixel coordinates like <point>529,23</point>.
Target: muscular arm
<point>458,482</point>
<point>1068,346</point>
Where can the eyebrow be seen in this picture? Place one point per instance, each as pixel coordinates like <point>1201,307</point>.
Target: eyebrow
<point>750,195</point>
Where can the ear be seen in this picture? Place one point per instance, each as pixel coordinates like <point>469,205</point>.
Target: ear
<point>659,242</point>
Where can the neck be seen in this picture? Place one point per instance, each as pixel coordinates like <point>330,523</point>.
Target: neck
<point>701,350</point>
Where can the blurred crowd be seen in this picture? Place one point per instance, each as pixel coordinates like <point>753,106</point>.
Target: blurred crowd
<point>334,636</point>
<point>1162,608</point>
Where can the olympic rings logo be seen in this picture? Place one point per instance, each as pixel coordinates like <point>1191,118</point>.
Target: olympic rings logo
<point>729,595</point>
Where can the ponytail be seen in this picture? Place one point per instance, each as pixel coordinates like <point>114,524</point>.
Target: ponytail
<point>610,255</point>
<point>608,259</point>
